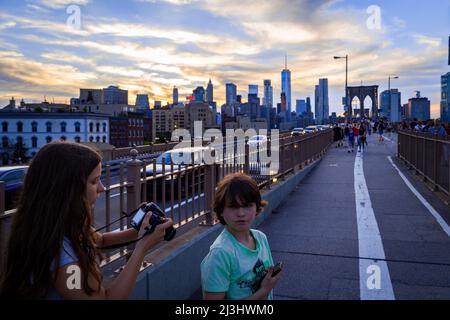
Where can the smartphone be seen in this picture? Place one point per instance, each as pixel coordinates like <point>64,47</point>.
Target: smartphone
<point>277,268</point>
<point>137,219</point>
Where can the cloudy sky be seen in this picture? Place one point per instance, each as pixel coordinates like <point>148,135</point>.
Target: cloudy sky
<point>149,46</point>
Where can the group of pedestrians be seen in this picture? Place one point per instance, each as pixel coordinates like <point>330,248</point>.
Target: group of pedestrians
<point>430,126</point>
<point>355,133</point>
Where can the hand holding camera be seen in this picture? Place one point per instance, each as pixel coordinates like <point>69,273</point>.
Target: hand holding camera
<point>149,216</point>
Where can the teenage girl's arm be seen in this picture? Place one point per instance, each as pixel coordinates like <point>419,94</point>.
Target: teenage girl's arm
<point>122,286</point>
<point>112,238</point>
<point>116,237</point>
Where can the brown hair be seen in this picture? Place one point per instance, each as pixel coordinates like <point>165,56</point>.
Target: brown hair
<point>52,206</point>
<point>234,191</point>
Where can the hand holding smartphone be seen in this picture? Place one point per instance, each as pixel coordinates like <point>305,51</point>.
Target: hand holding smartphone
<point>277,269</point>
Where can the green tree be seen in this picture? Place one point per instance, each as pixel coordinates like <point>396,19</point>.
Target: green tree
<point>20,153</point>
<point>7,152</point>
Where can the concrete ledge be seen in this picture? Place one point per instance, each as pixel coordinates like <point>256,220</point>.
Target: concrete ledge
<point>177,276</point>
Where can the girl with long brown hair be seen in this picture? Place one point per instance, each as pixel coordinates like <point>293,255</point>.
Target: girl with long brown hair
<point>52,232</point>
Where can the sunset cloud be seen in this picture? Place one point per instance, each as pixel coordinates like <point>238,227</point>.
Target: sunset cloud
<point>149,46</point>
<point>58,4</point>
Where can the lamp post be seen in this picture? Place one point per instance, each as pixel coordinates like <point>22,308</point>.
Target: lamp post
<point>389,90</point>
<point>346,82</point>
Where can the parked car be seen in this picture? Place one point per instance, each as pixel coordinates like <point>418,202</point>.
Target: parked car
<point>320,127</point>
<point>183,157</point>
<point>311,129</point>
<point>13,177</point>
<point>257,140</point>
<point>297,132</point>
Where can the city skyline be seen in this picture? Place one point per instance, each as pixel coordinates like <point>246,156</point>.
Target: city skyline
<point>136,46</point>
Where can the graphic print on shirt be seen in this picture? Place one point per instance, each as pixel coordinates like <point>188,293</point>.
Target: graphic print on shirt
<point>253,279</point>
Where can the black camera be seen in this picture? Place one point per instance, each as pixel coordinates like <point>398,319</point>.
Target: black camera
<point>158,217</point>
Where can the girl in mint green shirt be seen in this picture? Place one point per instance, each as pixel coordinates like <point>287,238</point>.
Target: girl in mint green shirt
<point>239,264</point>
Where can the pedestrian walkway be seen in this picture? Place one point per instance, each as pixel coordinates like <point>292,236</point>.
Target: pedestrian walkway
<point>353,229</point>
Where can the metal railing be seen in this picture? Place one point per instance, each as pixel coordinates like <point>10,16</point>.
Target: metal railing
<point>185,192</point>
<point>428,155</point>
<point>122,153</point>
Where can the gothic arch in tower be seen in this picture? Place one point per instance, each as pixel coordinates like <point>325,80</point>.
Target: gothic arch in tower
<point>361,93</point>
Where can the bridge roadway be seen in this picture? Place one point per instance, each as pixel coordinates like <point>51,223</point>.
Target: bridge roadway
<point>353,229</point>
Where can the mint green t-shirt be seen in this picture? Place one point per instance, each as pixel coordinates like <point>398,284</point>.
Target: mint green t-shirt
<point>235,269</point>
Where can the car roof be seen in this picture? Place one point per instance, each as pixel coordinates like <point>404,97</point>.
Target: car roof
<point>12,168</point>
<point>187,150</point>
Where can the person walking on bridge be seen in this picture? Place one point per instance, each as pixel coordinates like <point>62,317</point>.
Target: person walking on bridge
<point>338,135</point>
<point>351,139</point>
<point>380,132</point>
<point>361,138</point>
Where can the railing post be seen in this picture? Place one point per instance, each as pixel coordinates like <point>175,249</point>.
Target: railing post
<point>2,198</point>
<point>424,158</point>
<point>3,227</point>
<point>247,159</point>
<point>301,147</point>
<point>283,159</point>
<point>133,183</point>
<point>435,164</point>
<point>447,149</point>
<point>295,160</point>
<point>210,183</point>
<point>416,164</point>
<point>108,203</point>
<point>133,189</point>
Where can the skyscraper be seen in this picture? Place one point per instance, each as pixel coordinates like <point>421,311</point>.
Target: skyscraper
<point>268,101</point>
<point>253,89</point>
<point>199,94</point>
<point>308,105</point>
<point>268,94</point>
<point>322,102</point>
<point>142,101</point>
<point>209,92</point>
<point>445,97</point>
<point>391,110</point>
<point>283,104</point>
<point>300,106</point>
<point>286,88</point>
<point>253,106</point>
<point>175,95</point>
<point>231,94</point>
<point>418,108</point>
